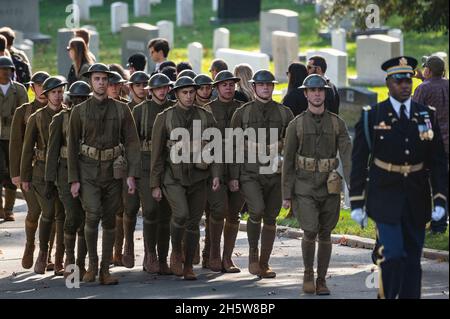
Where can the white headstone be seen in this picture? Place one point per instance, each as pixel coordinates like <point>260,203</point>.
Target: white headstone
<point>94,41</point>
<point>155,1</point>
<point>221,39</point>
<point>96,3</point>
<point>234,57</point>
<point>339,40</point>
<point>336,64</point>
<point>285,51</point>
<point>84,6</point>
<point>166,31</point>
<point>215,5</point>
<point>141,8</point>
<point>26,46</point>
<point>185,13</point>
<point>119,15</point>
<point>398,34</point>
<point>195,56</point>
<point>275,20</point>
<point>371,52</point>
<point>64,62</point>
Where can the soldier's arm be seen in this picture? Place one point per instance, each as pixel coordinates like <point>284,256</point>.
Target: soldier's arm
<point>26,163</point>
<point>159,140</point>
<point>73,145</point>
<point>16,141</point>
<point>53,147</point>
<point>131,143</point>
<point>290,117</point>
<point>359,169</point>
<point>290,152</point>
<point>345,150</point>
<point>234,168</point>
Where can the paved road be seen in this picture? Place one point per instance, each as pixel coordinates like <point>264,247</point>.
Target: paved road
<point>349,272</point>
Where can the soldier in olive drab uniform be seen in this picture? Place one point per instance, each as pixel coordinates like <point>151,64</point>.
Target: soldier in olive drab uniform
<point>311,183</point>
<point>223,205</point>
<point>262,192</point>
<point>18,126</point>
<point>156,215</point>
<point>137,83</point>
<point>204,92</point>
<point>14,96</point>
<point>115,86</point>
<point>183,184</point>
<point>102,134</point>
<point>32,173</point>
<point>56,173</point>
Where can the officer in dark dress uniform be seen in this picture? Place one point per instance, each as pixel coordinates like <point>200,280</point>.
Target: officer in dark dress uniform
<point>399,178</point>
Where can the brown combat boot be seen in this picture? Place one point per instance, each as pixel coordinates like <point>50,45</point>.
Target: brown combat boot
<point>10,198</point>
<point>92,271</point>
<point>69,244</point>
<point>105,277</point>
<point>308,253</point>
<point>128,252</point>
<point>118,242</point>
<point>41,263</point>
<point>164,269</point>
<point>308,282</point>
<point>151,264</point>
<point>267,238</point>
<point>30,231</point>
<point>9,216</point>
<point>323,261</point>
<point>321,287</point>
<point>215,233</point>
<point>176,266</point>
<point>191,242</point>
<point>253,261</point>
<point>230,232</point>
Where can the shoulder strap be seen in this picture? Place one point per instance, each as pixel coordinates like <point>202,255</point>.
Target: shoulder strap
<point>300,131</point>
<point>121,115</point>
<point>366,127</point>
<point>39,126</point>
<point>203,118</point>
<point>65,127</point>
<point>144,120</point>
<point>246,116</point>
<point>83,112</point>
<point>169,116</point>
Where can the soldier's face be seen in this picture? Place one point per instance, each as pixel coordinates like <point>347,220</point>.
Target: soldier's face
<point>114,90</point>
<point>186,96</point>
<point>315,96</point>
<point>99,83</point>
<point>139,90</point>
<point>400,89</point>
<point>264,90</point>
<point>37,88</point>
<point>226,90</point>
<point>160,93</point>
<point>56,96</point>
<point>205,91</point>
<point>5,75</point>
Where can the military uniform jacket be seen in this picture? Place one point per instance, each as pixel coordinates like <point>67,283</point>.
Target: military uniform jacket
<point>15,97</point>
<point>36,140</point>
<point>18,126</point>
<point>320,139</point>
<point>260,115</point>
<point>384,193</point>
<point>162,168</point>
<point>98,124</point>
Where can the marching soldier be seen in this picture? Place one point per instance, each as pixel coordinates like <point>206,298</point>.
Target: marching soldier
<point>56,173</point>
<point>311,184</point>
<point>156,214</point>
<point>223,204</point>
<point>137,83</point>
<point>103,148</point>
<point>115,86</point>
<point>183,184</point>
<point>204,91</point>
<point>12,95</point>
<point>398,154</point>
<point>18,125</point>
<point>32,173</point>
<point>261,192</point>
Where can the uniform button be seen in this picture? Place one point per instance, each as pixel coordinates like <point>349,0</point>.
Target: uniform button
<point>407,152</point>
<point>381,137</point>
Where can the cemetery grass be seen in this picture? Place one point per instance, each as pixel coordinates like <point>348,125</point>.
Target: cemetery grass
<point>244,36</point>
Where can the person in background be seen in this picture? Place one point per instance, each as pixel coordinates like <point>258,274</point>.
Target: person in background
<point>171,73</point>
<point>115,67</point>
<point>3,49</point>
<point>86,36</point>
<point>166,64</point>
<point>183,66</point>
<point>159,50</point>
<point>295,99</point>
<point>244,91</point>
<point>136,62</point>
<point>81,60</point>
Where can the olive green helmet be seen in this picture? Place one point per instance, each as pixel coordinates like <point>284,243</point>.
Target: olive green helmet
<point>183,82</point>
<point>116,78</point>
<point>225,75</point>
<point>203,79</point>
<point>52,83</point>
<point>188,73</point>
<point>97,68</point>
<point>263,76</point>
<point>139,77</point>
<point>158,80</point>
<point>79,88</point>
<point>6,63</point>
<point>39,77</point>
<point>314,81</point>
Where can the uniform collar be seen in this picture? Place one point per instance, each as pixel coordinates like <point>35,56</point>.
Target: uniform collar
<point>396,105</point>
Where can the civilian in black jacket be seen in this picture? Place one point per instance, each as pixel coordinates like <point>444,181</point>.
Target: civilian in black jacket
<point>295,99</point>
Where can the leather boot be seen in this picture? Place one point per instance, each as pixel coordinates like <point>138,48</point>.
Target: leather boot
<point>59,253</point>
<point>150,264</point>
<point>69,244</point>
<point>253,261</point>
<point>92,271</point>
<point>81,254</point>
<point>91,237</point>
<point>118,243</point>
<point>323,261</point>
<point>10,198</point>
<point>308,252</point>
<point>191,242</point>
<point>267,238</point>
<point>230,232</point>
<point>253,234</point>
<point>163,249</point>
<point>30,231</point>
<point>41,263</point>
<point>128,251</point>
<point>207,246</point>
<point>50,264</point>
<point>105,276</point>
<point>176,263</point>
<point>215,233</point>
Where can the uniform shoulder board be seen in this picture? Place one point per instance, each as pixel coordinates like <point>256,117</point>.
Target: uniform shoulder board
<point>432,108</point>
<point>367,108</point>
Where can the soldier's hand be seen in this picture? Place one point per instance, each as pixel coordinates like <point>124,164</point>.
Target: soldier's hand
<point>157,193</point>
<point>287,204</point>
<point>26,186</point>
<point>131,182</point>
<point>16,181</point>
<point>233,185</point>
<point>216,184</point>
<point>360,216</point>
<point>75,189</point>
